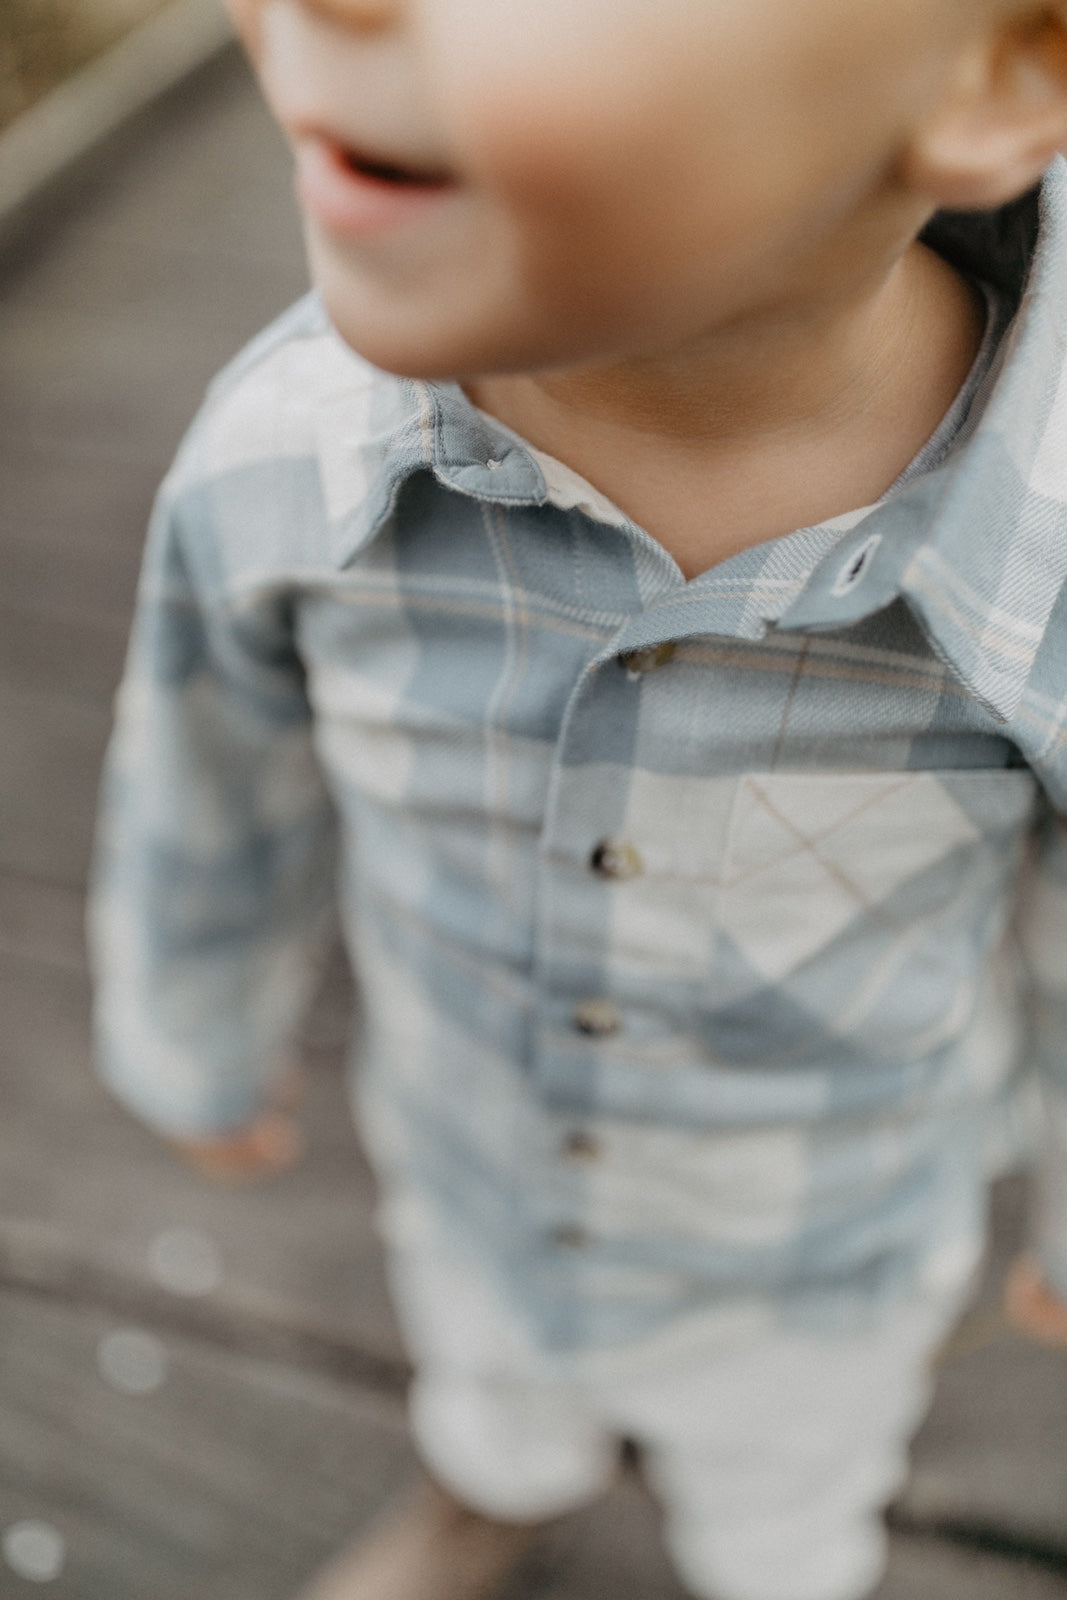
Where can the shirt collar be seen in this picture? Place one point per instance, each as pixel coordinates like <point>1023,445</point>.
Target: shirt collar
<point>977,548</point>
<point>407,427</point>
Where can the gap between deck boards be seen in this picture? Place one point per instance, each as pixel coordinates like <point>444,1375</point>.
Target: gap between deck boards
<point>36,1260</point>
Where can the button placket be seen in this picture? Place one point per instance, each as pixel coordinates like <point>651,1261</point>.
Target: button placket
<point>576,1019</point>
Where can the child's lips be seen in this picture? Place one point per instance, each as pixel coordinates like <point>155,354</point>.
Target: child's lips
<point>384,171</point>
<point>358,194</point>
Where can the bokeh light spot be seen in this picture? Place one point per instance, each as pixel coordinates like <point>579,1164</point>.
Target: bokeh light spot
<point>132,1361</point>
<point>185,1261</point>
<point>34,1550</point>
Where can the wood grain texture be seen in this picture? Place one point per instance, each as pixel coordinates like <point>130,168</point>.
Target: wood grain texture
<point>233,1479</point>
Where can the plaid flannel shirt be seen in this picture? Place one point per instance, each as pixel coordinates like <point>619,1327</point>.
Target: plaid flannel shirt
<point>674,906</point>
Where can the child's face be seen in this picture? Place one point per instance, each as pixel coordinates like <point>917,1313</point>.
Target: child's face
<point>606,178</point>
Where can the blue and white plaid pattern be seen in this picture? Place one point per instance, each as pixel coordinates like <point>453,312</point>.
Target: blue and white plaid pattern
<point>672,905</point>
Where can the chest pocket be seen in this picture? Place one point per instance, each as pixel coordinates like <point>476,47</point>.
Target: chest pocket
<point>870,902</point>
<point>806,916</point>
<point>809,854</point>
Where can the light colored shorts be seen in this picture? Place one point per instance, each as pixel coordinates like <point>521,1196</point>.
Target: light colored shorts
<point>773,1453</point>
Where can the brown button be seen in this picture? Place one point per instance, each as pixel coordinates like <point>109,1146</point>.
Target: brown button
<point>581,1146</point>
<point>569,1236</point>
<point>648,659</point>
<point>597,1017</point>
<point>613,859</point>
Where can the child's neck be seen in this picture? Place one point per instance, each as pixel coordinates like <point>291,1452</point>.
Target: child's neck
<point>763,429</point>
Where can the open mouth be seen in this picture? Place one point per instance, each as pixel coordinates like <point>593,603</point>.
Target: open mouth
<point>388,172</point>
<point>360,194</point>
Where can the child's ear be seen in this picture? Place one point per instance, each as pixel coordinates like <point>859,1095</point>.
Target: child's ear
<point>1000,121</point>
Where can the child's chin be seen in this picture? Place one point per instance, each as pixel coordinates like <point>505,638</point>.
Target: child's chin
<point>443,327</point>
<point>394,356</point>
<point>385,341</point>
<point>441,359</point>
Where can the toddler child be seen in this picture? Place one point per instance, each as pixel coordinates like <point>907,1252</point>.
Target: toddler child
<point>637,574</point>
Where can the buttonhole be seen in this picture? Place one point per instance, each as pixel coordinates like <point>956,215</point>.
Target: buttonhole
<point>852,570</point>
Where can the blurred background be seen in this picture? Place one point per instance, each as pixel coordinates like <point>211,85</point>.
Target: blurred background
<point>43,41</point>
<point>201,1385</point>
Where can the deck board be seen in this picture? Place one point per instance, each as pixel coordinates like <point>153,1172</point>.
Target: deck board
<point>233,1479</point>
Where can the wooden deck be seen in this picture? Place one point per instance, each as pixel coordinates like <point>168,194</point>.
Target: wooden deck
<point>255,1422</point>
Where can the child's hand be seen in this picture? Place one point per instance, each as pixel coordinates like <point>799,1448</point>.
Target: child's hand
<point>271,1143</point>
<point>1032,1307</point>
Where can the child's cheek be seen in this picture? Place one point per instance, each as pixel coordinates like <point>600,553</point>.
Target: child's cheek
<point>544,82</point>
<point>584,184</point>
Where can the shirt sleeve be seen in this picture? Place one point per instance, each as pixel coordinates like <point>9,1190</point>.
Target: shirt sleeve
<point>1042,928</point>
<point>213,887</point>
